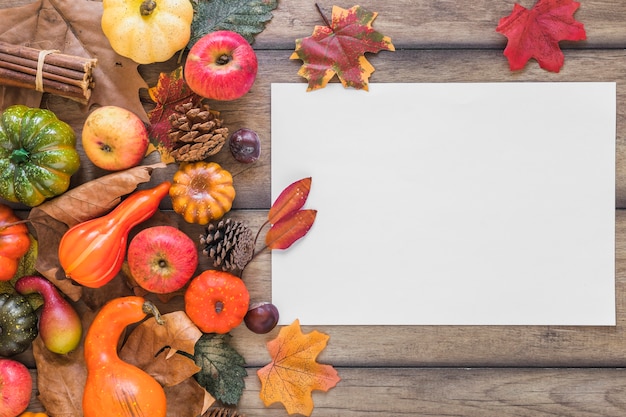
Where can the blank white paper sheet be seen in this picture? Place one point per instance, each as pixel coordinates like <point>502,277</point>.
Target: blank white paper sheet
<point>448,203</point>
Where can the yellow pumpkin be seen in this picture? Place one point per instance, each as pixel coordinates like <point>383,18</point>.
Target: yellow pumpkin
<point>202,192</point>
<point>147,31</point>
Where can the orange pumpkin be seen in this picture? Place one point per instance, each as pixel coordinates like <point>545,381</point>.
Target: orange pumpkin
<point>14,242</point>
<point>32,414</point>
<point>202,192</point>
<point>216,301</point>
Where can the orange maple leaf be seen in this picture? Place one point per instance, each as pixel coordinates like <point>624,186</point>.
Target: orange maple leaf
<point>294,373</point>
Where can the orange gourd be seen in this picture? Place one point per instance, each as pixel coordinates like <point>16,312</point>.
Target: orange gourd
<point>14,242</point>
<point>92,252</point>
<point>32,414</point>
<point>202,192</point>
<point>114,387</point>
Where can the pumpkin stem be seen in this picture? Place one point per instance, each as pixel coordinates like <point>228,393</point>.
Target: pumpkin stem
<point>150,308</point>
<point>19,156</point>
<point>147,7</point>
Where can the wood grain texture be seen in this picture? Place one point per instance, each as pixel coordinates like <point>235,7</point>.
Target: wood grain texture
<point>442,23</point>
<point>428,24</point>
<point>482,371</point>
<point>462,392</point>
<point>415,66</point>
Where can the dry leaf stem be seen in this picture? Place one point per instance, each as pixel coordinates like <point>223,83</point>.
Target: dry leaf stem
<point>319,9</point>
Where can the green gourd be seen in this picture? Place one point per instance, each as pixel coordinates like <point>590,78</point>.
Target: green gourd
<point>18,324</point>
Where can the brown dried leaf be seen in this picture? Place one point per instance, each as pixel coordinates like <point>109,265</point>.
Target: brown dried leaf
<point>94,198</point>
<point>152,347</point>
<point>187,399</point>
<point>72,27</point>
<point>89,200</point>
<point>61,378</point>
<point>95,298</point>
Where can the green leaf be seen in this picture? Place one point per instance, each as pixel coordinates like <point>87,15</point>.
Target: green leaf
<point>222,368</point>
<point>246,17</point>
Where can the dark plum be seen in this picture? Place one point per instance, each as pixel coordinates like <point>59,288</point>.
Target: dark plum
<point>261,318</point>
<point>245,145</point>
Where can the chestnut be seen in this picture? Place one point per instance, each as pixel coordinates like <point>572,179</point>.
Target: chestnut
<point>245,145</point>
<point>261,317</point>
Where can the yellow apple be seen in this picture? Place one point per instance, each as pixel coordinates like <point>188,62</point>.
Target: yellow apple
<point>114,138</point>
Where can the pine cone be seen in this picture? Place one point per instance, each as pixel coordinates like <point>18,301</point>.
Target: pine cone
<point>222,412</point>
<point>196,132</point>
<point>229,243</point>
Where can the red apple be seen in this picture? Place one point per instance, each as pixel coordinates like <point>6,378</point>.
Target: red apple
<point>114,138</point>
<point>162,259</point>
<point>16,388</point>
<point>221,66</point>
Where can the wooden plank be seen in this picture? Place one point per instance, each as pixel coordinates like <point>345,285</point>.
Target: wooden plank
<point>505,346</point>
<point>462,392</point>
<point>427,66</point>
<point>434,23</point>
<point>366,346</point>
<point>252,181</point>
<point>467,346</point>
<point>442,23</point>
<point>468,392</point>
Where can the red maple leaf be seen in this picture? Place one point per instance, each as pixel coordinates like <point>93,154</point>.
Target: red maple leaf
<point>170,91</point>
<point>536,33</point>
<point>338,48</point>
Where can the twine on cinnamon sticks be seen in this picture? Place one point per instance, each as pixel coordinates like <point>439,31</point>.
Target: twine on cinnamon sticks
<point>47,71</point>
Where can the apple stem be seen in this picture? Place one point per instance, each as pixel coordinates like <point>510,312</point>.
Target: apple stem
<point>147,7</point>
<point>223,59</point>
<point>319,9</point>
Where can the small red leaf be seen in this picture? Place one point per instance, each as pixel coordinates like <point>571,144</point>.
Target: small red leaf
<point>290,200</point>
<point>536,33</point>
<point>170,91</point>
<point>289,229</point>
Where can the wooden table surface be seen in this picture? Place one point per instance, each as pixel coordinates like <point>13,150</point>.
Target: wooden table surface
<point>486,371</point>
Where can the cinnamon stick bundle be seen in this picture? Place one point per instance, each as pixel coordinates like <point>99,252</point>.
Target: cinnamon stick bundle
<point>47,71</point>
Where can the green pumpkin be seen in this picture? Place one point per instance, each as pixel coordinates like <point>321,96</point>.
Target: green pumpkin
<point>37,155</point>
<point>18,324</point>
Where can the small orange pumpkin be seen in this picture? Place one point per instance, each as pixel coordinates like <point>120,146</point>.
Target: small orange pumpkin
<point>202,192</point>
<point>216,301</point>
<point>14,242</point>
<point>32,414</point>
